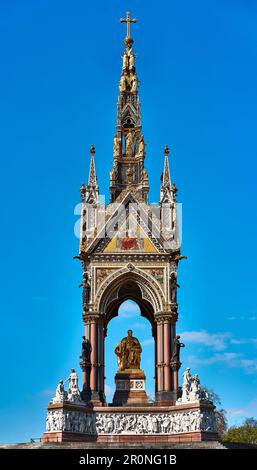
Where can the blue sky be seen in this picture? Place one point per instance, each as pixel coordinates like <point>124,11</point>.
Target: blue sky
<point>60,66</point>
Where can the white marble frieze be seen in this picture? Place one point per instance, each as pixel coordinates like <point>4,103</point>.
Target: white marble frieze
<point>130,423</point>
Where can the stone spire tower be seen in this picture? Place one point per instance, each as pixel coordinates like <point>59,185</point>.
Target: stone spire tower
<point>129,146</point>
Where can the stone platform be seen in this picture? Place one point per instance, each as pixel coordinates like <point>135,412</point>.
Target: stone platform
<point>130,388</point>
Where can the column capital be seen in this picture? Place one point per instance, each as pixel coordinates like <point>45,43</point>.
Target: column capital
<point>166,317</point>
<point>92,317</point>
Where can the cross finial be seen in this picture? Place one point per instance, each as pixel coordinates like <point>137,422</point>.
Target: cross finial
<point>128,20</point>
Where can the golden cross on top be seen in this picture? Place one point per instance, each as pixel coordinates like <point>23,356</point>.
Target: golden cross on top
<point>128,20</point>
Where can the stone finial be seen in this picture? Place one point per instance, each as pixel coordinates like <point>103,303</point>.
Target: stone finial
<point>92,149</point>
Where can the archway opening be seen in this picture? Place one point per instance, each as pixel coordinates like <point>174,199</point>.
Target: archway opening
<point>129,317</point>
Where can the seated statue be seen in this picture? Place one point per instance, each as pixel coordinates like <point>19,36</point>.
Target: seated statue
<point>128,352</point>
<point>60,393</point>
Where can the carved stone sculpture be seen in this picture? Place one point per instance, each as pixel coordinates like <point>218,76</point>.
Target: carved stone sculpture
<point>131,423</point>
<point>73,392</point>
<point>191,389</point>
<point>60,393</point>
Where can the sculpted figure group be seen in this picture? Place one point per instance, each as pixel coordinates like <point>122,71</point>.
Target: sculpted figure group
<point>191,389</point>
<point>136,423</point>
<point>73,394</point>
<point>129,80</point>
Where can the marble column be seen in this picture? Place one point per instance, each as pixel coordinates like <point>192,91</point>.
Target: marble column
<point>175,365</point>
<point>164,392</point>
<point>94,331</point>
<point>167,355</point>
<point>159,368</point>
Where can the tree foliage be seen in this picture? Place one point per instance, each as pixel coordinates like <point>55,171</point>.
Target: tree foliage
<point>247,432</point>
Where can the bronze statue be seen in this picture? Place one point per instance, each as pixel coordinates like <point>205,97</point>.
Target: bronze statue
<point>173,287</point>
<point>128,352</point>
<point>86,290</point>
<point>86,350</point>
<point>176,349</point>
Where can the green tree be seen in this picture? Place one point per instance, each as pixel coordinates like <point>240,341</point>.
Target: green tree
<point>247,432</point>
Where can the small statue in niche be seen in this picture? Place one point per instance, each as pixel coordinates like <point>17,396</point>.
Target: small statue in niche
<point>130,175</point>
<point>141,147</point>
<point>145,176</point>
<point>173,287</point>
<point>129,143</point>
<point>112,176</point>
<point>116,146</point>
<point>86,290</point>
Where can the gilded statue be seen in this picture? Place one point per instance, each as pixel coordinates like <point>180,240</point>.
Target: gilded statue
<point>131,60</point>
<point>129,143</point>
<point>141,147</point>
<point>133,83</point>
<point>116,146</point>
<point>123,84</point>
<point>125,61</point>
<point>128,352</point>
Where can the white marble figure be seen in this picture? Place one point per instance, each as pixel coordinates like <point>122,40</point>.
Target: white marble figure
<point>60,393</point>
<point>73,391</point>
<point>195,390</point>
<point>186,385</point>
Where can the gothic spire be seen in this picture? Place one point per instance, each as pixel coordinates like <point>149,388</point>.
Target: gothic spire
<point>168,189</point>
<point>92,178</point>
<point>92,189</point>
<point>166,181</point>
<point>129,145</point>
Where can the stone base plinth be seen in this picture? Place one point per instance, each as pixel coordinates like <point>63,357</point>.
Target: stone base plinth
<point>130,388</point>
<point>123,424</point>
